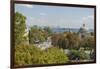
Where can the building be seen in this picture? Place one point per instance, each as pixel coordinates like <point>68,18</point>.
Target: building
<point>83,31</point>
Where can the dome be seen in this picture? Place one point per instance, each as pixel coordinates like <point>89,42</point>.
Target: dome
<point>83,29</point>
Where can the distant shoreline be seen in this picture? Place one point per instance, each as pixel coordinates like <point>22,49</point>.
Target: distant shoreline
<point>60,30</point>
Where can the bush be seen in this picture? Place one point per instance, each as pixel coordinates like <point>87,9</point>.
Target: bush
<point>24,54</point>
<point>55,55</point>
<point>88,43</point>
<point>28,55</point>
<point>78,55</point>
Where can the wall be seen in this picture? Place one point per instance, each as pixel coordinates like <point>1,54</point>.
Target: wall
<point>5,34</point>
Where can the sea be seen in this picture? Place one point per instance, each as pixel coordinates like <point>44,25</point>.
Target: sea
<point>61,30</point>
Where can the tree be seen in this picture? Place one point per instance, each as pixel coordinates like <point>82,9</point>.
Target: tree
<point>30,54</point>
<point>48,30</point>
<point>88,43</point>
<point>55,38</point>
<point>66,40</point>
<point>25,54</point>
<point>54,55</point>
<point>92,33</point>
<point>20,27</point>
<point>77,55</point>
<point>36,35</point>
<point>63,43</point>
<point>73,40</point>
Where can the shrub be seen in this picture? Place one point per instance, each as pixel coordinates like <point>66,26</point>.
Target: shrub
<point>30,54</point>
<point>24,54</point>
<point>55,55</point>
<point>88,43</point>
<point>78,55</point>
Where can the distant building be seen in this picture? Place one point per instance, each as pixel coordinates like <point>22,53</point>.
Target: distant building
<point>83,31</point>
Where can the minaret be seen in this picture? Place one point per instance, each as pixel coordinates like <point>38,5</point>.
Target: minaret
<point>83,25</point>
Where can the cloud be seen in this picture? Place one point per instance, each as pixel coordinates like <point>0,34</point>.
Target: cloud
<point>88,17</point>
<point>30,21</point>
<point>31,18</point>
<point>27,5</point>
<point>91,16</point>
<point>89,21</point>
<point>42,14</point>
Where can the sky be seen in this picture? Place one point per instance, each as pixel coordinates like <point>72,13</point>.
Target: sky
<point>56,16</point>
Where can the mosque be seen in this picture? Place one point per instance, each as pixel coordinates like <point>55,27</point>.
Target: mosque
<point>83,31</point>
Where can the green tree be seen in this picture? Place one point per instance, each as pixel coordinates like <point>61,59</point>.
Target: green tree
<point>20,27</point>
<point>92,33</point>
<point>63,43</point>
<point>73,40</point>
<point>88,43</point>
<point>30,54</point>
<point>48,30</point>
<point>66,40</point>
<point>55,55</point>
<point>55,38</point>
<point>37,34</point>
<point>25,54</point>
<point>78,55</point>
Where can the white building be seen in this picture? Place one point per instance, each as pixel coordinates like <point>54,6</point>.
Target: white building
<point>83,31</point>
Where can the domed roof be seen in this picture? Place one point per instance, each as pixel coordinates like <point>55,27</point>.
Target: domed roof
<point>83,29</point>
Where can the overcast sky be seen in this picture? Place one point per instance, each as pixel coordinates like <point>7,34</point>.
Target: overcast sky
<point>55,16</point>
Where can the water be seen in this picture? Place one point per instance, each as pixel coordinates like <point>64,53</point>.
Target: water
<point>61,30</point>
